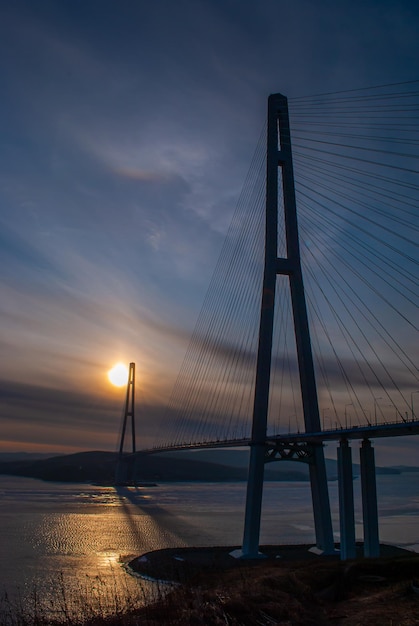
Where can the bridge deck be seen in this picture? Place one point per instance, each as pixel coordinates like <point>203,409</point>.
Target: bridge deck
<point>370,431</point>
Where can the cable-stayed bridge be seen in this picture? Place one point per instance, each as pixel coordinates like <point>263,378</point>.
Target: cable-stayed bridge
<point>345,273</point>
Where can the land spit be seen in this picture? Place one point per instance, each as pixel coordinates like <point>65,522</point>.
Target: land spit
<point>291,585</point>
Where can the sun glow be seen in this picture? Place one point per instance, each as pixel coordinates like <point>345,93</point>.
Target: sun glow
<point>118,375</point>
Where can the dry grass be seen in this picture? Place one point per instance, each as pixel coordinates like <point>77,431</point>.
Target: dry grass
<point>363,593</point>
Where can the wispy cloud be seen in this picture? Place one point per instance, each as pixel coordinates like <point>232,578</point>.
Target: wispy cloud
<point>126,137</point>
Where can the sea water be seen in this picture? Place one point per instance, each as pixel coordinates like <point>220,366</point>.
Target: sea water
<point>70,543</point>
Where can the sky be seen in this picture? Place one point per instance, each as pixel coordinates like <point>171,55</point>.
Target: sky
<point>127,129</point>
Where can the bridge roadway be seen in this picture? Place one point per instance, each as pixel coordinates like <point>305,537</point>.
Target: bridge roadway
<point>369,431</point>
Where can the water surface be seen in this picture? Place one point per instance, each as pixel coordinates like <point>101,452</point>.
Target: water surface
<point>82,534</point>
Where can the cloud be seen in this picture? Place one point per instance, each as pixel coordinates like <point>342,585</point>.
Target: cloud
<point>39,415</point>
<point>127,137</point>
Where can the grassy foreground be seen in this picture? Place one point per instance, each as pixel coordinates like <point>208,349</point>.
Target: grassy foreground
<point>315,592</point>
<point>310,593</point>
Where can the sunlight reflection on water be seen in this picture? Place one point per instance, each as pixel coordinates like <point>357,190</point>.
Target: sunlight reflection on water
<point>75,539</point>
<point>80,536</point>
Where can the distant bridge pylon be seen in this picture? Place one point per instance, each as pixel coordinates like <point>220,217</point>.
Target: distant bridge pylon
<point>125,468</point>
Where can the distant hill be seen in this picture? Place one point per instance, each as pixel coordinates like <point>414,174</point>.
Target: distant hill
<point>99,467</point>
<point>5,457</point>
<point>203,465</point>
<point>239,457</point>
<point>79,467</point>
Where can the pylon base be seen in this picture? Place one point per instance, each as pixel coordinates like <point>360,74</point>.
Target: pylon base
<point>319,552</point>
<point>239,554</point>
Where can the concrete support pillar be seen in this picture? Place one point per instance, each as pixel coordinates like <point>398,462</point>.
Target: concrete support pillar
<point>369,501</point>
<point>346,502</point>
<point>250,548</point>
<point>321,504</point>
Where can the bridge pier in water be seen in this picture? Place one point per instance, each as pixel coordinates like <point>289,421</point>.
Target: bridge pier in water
<point>369,500</point>
<point>346,501</point>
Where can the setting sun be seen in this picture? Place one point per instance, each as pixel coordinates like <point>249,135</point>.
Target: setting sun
<point>118,375</point>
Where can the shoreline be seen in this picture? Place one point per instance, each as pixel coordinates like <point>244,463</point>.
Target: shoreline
<point>181,565</point>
